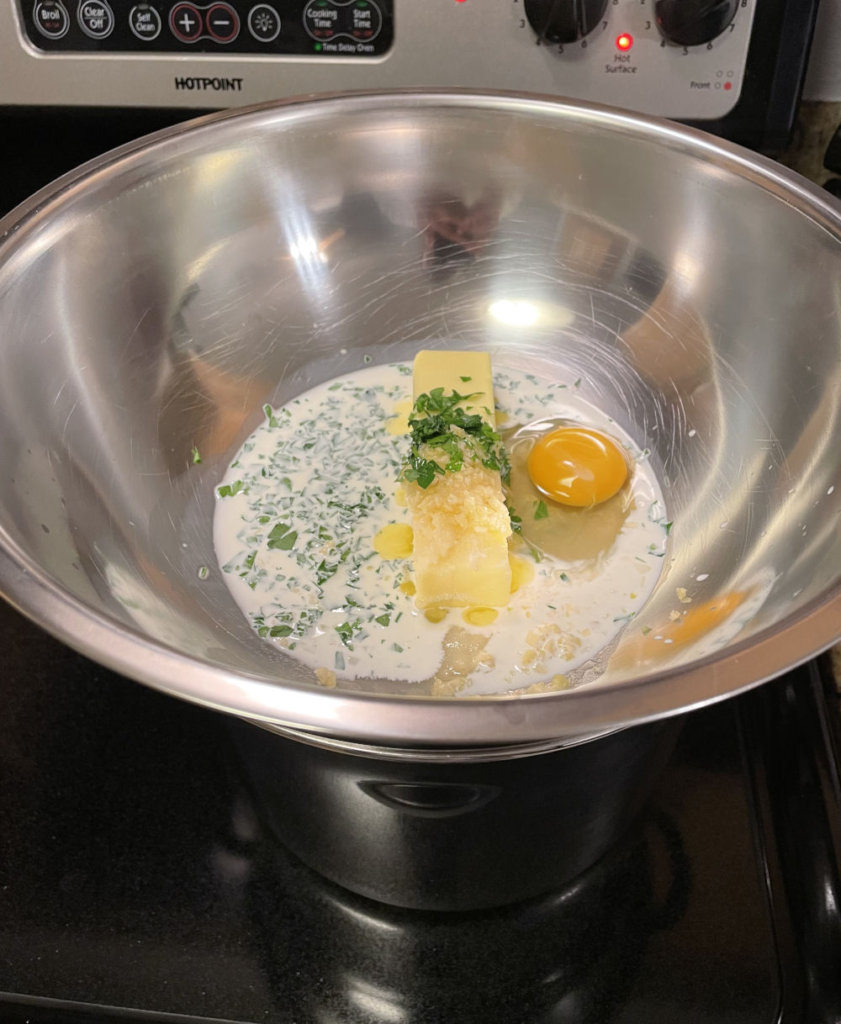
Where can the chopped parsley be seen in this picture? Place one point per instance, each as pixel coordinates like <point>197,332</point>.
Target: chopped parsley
<point>229,490</point>
<point>282,537</point>
<point>444,434</point>
<point>540,510</point>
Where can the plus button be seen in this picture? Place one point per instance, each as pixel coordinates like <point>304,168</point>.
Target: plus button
<point>185,22</point>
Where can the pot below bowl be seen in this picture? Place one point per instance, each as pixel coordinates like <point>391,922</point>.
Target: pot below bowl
<point>453,836</point>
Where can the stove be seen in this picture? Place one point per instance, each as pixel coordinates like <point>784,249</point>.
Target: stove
<point>136,880</point>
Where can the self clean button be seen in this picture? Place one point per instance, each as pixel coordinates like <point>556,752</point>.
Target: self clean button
<point>145,22</point>
<point>51,19</point>
<point>96,19</point>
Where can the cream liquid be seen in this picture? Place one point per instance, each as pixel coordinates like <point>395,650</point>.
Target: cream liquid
<point>301,505</point>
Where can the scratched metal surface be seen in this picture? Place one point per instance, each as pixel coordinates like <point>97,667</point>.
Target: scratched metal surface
<point>157,303</point>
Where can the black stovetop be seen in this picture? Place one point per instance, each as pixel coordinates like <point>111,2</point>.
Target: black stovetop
<point>137,884</point>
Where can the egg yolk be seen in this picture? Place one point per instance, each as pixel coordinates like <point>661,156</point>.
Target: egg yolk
<point>577,466</point>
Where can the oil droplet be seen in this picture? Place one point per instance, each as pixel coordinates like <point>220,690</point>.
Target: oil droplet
<point>399,422</point>
<point>436,614</point>
<point>522,572</point>
<point>394,541</point>
<point>480,616</point>
<point>408,588</point>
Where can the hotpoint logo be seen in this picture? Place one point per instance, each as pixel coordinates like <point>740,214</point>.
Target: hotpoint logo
<point>196,84</point>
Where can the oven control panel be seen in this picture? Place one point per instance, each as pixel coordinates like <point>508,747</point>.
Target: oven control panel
<point>684,59</point>
<point>303,28</point>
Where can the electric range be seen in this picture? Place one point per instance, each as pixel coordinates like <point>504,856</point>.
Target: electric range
<point>136,881</point>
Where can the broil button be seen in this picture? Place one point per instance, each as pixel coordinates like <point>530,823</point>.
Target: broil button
<point>51,19</point>
<point>96,19</point>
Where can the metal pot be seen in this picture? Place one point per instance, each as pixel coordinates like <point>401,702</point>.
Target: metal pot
<point>457,835</point>
<point>153,301</point>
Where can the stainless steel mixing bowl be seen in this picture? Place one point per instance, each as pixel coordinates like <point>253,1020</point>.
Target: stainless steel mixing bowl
<point>152,302</point>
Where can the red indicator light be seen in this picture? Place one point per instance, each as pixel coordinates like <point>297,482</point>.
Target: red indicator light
<point>624,42</point>
<point>728,85</point>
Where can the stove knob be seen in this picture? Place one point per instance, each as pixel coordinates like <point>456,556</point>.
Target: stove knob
<point>692,22</point>
<point>564,21</point>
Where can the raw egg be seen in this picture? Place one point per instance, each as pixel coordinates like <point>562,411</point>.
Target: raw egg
<point>577,466</point>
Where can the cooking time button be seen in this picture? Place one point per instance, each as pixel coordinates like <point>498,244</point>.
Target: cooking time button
<point>96,19</point>
<point>51,18</point>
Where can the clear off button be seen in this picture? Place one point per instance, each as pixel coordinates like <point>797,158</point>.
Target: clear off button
<point>145,22</point>
<point>51,19</point>
<point>96,19</point>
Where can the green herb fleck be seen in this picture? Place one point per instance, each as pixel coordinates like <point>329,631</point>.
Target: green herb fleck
<point>384,620</point>
<point>229,490</point>
<point>516,521</point>
<point>270,416</point>
<point>668,528</point>
<point>280,631</point>
<point>196,457</point>
<point>465,380</point>
<point>346,632</point>
<point>282,537</point>
<point>540,510</point>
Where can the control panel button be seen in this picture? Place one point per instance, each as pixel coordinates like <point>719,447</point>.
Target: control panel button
<point>350,19</point>
<point>51,18</point>
<point>222,23</point>
<point>366,20</point>
<point>96,19</point>
<point>264,23</point>
<point>185,22</point>
<point>145,22</point>
<point>321,18</point>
